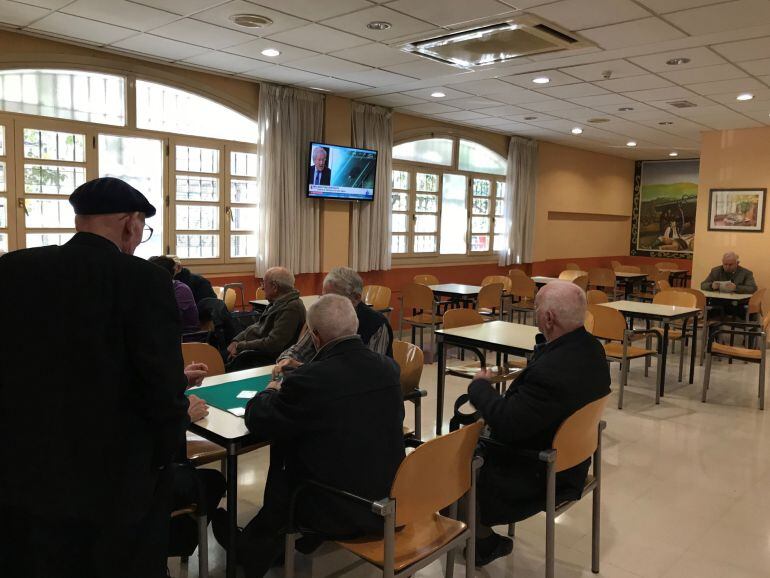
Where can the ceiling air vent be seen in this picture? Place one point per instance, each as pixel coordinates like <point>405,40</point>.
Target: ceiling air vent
<point>493,43</point>
<point>682,104</point>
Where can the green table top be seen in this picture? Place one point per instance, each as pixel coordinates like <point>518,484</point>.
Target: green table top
<point>225,395</point>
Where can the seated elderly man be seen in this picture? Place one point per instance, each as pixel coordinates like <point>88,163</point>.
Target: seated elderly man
<point>336,419</point>
<point>278,327</point>
<point>730,277</point>
<point>568,370</point>
<point>373,327</point>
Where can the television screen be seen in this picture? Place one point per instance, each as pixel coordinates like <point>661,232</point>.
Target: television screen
<point>336,172</point>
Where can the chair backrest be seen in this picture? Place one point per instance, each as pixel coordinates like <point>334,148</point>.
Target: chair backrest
<point>605,322</point>
<point>513,272</point>
<point>461,317</point>
<point>578,436</point>
<point>489,295</point>
<point>570,274</point>
<point>616,265</point>
<point>581,281</point>
<point>601,277</point>
<point>573,266</point>
<point>218,291</point>
<point>666,265</point>
<point>594,297</point>
<point>700,298</point>
<point>203,353</point>
<point>755,302</point>
<point>229,299</point>
<point>663,284</point>
<point>411,360</point>
<point>675,298</point>
<point>523,286</point>
<point>435,475</point>
<point>260,294</point>
<point>378,296</point>
<point>426,279</point>
<point>505,280</point>
<point>629,269</point>
<point>417,296</point>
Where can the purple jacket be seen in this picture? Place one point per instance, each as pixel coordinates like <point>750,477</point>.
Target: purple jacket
<point>187,308</point>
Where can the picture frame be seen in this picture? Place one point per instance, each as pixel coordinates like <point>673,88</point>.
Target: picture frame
<point>737,210</point>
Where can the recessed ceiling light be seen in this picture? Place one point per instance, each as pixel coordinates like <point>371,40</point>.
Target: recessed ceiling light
<point>541,80</point>
<point>271,52</point>
<point>251,20</point>
<point>437,94</point>
<point>673,154</point>
<point>530,118</point>
<point>677,61</point>
<point>577,130</point>
<point>625,108</point>
<point>665,122</point>
<point>744,96</point>
<point>631,143</point>
<point>379,25</point>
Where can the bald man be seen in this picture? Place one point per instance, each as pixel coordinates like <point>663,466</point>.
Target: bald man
<point>730,277</point>
<point>568,370</point>
<point>278,327</point>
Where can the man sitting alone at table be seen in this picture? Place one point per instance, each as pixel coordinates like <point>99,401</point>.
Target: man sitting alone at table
<point>278,327</point>
<point>337,420</point>
<point>373,326</point>
<point>568,371</point>
<point>730,277</point>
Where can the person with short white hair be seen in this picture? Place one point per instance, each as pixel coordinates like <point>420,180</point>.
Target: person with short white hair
<point>319,173</point>
<point>730,277</point>
<point>337,420</point>
<point>568,370</point>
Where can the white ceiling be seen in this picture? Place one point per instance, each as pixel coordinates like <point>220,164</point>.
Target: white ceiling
<point>325,44</point>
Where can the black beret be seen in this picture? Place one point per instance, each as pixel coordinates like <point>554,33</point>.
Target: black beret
<point>109,195</point>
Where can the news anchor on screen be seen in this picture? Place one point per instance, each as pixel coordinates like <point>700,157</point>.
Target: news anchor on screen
<point>319,173</point>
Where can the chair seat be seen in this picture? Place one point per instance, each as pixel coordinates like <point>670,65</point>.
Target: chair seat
<point>740,352</point>
<point>523,305</point>
<point>487,311</point>
<point>414,542</point>
<point>673,334</point>
<point>615,350</point>
<point>425,319</point>
<point>201,452</point>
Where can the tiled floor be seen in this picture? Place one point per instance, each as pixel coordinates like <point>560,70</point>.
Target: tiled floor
<point>686,488</point>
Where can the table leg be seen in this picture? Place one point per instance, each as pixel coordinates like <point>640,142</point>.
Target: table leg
<point>232,509</point>
<point>440,383</point>
<point>693,346</point>
<point>663,356</point>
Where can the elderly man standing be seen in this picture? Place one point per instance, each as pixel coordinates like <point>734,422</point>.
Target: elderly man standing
<point>568,370</point>
<point>336,420</point>
<point>278,327</point>
<point>92,404</point>
<point>373,327</point>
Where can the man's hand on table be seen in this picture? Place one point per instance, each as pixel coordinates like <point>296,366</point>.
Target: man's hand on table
<point>282,366</point>
<point>197,409</point>
<point>195,372</point>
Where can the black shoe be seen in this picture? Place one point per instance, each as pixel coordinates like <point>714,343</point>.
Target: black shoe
<point>491,548</point>
<point>220,526</point>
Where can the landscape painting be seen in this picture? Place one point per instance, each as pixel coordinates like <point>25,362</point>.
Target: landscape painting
<point>665,198</point>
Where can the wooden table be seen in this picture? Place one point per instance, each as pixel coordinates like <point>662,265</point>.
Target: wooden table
<point>229,431</point>
<point>629,278</point>
<point>665,314</point>
<point>680,275</point>
<point>719,295</point>
<point>455,290</point>
<point>499,336</point>
<point>261,304</point>
<point>540,280</point>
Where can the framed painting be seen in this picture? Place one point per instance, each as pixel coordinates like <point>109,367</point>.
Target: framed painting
<point>737,210</point>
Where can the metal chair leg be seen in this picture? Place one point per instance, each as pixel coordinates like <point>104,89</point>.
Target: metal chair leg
<point>450,564</point>
<point>706,377</point>
<point>288,559</point>
<point>658,377</point>
<point>550,523</point>
<point>762,375</point>
<point>203,547</point>
<point>512,529</point>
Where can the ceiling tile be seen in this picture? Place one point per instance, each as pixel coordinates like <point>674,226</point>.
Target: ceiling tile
<point>579,113</point>
<point>333,85</point>
<point>580,14</point>
<point>327,65</point>
<point>760,96</point>
<point>128,14</point>
<point>428,108</point>
<point>730,122</point>
<point>488,86</point>
<point>489,122</point>
<point>394,99</point>
<point>719,17</point>
<point>505,110</point>
<point>642,82</point>
<point>182,7</point>
<point>376,55</point>
<point>313,9</point>
<point>745,49</point>
<point>530,116</point>
<point>423,68</point>
<point>705,74</point>
<point>202,34</point>
<point>664,6</point>
<point>401,25</point>
<point>81,28</point>
<point>727,86</point>
<point>50,4</point>
<point>646,31</point>
<point>319,38</point>
<point>425,93</point>
<point>159,47</point>
<point>757,67</point>
<point>638,111</point>
<point>696,112</point>
<point>220,15</point>
<point>670,93</point>
<point>573,90</point>
<point>462,115</point>
<point>472,103</point>
<point>556,77</point>
<point>283,75</point>
<point>601,99</point>
<point>698,57</point>
<point>19,14</point>
<point>444,13</point>
<point>616,68</point>
<point>548,105</point>
<point>226,62</point>
<point>254,49</point>
<point>373,77</point>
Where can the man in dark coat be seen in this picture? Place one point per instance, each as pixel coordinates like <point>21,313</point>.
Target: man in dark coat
<point>92,404</point>
<point>319,173</point>
<point>568,371</point>
<point>337,420</point>
<point>199,285</point>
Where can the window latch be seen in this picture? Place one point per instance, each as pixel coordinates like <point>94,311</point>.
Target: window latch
<point>22,203</point>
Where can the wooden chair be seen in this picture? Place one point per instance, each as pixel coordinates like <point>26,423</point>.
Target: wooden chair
<point>666,266</point>
<point>595,297</point>
<point>616,265</point>
<point>426,280</point>
<point>608,324</point>
<point>749,331</point>
<point>203,353</point>
<point>434,476</point>
<point>581,281</point>
<point>513,272</point>
<point>260,294</point>
<point>603,279</point>
<point>218,291</point>
<point>523,291</point>
<point>504,279</point>
<point>573,266</point>
<point>235,288</point>
<point>629,269</point>
<point>418,309</point>
<point>651,285</point>
<point>675,298</point>
<point>754,306</point>
<point>229,298</point>
<point>578,438</point>
<point>203,536</point>
<point>570,274</point>
<point>411,361</point>
<point>488,300</point>
<point>378,296</point>
<point>702,304</point>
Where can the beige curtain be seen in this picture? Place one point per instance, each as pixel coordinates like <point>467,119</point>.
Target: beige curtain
<point>289,224</point>
<point>370,221</point>
<point>519,214</point>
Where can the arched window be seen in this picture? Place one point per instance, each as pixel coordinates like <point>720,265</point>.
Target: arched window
<point>447,198</point>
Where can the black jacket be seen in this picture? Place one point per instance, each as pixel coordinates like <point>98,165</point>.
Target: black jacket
<point>326,176</point>
<point>563,376</point>
<point>200,286</point>
<point>92,385</point>
<point>338,420</point>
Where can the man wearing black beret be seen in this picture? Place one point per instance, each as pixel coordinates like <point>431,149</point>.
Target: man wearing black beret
<point>92,404</point>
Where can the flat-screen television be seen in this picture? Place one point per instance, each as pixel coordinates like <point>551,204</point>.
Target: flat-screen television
<point>344,173</point>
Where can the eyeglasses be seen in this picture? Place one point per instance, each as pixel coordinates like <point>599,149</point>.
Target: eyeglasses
<point>146,233</point>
